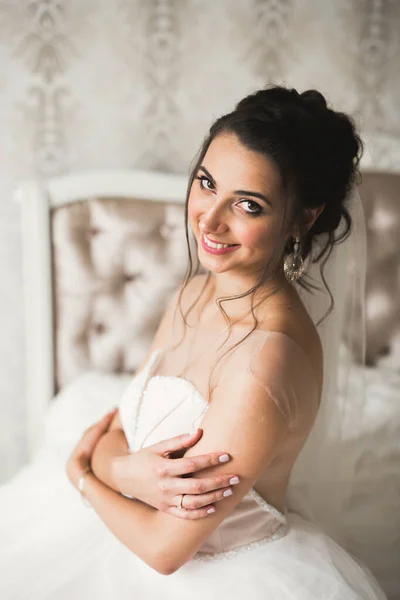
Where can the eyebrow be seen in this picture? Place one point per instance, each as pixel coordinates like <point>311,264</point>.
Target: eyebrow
<point>238,192</point>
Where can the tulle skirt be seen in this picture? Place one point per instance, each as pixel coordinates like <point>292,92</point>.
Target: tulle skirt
<point>54,548</point>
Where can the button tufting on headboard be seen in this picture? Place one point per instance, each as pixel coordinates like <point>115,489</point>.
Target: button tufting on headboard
<point>116,261</point>
<point>131,277</point>
<point>98,328</point>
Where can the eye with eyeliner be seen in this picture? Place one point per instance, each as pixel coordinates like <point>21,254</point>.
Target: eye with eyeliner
<point>252,213</point>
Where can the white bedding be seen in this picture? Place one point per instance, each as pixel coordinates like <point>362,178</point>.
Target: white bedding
<point>371,522</point>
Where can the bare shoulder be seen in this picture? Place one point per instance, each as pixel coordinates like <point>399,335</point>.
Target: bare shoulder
<point>296,323</point>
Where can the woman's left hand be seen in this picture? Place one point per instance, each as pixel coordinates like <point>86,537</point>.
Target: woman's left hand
<point>80,457</point>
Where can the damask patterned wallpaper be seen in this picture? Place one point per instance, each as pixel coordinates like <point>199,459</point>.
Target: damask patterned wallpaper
<point>134,83</point>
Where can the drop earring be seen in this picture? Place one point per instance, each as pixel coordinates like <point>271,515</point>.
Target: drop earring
<point>293,266</point>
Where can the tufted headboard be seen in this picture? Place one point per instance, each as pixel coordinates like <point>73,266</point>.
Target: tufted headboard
<point>103,251</point>
<point>96,247</point>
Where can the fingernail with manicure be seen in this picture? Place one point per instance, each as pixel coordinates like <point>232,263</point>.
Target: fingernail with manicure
<point>234,480</point>
<point>227,493</point>
<point>210,511</point>
<point>224,458</point>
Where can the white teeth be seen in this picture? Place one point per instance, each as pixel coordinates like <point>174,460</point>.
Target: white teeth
<point>212,245</point>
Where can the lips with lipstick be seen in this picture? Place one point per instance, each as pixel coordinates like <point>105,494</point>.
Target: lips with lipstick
<point>214,247</point>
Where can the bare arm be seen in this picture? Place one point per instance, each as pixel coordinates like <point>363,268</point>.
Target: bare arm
<point>152,476</point>
<point>254,430</point>
<point>111,446</point>
<point>132,522</point>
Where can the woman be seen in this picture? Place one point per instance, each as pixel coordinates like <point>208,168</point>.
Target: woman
<point>238,354</point>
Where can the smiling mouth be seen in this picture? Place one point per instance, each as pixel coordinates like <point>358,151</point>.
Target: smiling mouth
<point>215,245</point>
<point>214,248</point>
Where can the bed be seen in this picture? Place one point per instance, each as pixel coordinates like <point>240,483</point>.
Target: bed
<point>97,245</point>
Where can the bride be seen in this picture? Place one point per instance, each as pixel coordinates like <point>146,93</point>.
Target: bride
<point>237,365</point>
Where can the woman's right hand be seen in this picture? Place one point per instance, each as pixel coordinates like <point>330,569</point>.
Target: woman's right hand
<point>153,476</point>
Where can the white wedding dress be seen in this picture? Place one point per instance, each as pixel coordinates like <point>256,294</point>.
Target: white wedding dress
<point>53,547</point>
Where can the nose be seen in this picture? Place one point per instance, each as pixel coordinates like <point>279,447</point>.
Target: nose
<point>213,222</point>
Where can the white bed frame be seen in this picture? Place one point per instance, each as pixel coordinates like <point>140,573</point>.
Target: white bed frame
<point>37,198</point>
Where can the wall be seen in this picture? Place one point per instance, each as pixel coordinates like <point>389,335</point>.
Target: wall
<point>136,84</point>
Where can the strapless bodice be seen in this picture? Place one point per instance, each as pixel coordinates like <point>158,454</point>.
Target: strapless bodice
<point>157,407</point>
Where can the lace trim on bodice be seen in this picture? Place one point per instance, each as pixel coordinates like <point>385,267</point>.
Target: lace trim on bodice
<point>144,378</point>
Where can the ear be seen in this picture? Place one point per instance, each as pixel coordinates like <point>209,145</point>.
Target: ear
<point>311,215</point>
